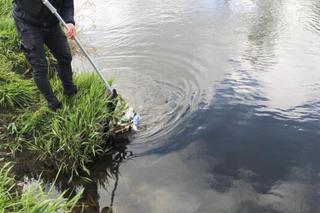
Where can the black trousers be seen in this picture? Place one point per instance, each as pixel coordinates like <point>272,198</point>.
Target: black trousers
<point>33,39</point>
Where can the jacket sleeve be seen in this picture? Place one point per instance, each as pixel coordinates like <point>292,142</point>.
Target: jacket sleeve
<point>67,11</point>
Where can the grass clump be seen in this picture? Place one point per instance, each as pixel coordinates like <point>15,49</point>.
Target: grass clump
<point>73,136</point>
<point>32,199</point>
<point>6,8</point>
<point>15,92</point>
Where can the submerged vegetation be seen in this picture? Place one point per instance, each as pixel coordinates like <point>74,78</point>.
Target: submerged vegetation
<point>67,140</point>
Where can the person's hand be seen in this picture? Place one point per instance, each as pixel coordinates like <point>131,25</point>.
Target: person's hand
<point>70,31</point>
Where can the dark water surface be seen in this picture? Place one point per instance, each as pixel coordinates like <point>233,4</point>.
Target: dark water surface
<point>229,95</point>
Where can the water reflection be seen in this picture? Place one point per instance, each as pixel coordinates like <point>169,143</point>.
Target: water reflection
<point>230,90</point>
<point>160,65</point>
<point>262,36</point>
<point>104,175</point>
<point>223,167</point>
<point>314,17</point>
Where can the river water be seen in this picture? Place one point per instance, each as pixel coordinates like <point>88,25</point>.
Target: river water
<point>229,95</point>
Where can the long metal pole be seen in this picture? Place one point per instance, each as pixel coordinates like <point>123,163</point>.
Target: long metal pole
<point>55,12</point>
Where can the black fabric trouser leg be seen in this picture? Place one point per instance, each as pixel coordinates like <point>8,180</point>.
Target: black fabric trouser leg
<point>32,43</point>
<point>57,42</point>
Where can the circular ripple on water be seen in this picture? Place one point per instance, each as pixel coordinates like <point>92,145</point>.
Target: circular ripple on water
<point>163,88</point>
<point>160,54</point>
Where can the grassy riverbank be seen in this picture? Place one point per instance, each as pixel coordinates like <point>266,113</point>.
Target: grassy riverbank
<point>67,140</point>
<point>71,137</point>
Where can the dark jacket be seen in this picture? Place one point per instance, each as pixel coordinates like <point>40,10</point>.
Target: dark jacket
<point>36,13</point>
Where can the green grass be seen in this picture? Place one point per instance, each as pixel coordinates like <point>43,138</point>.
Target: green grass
<point>33,198</point>
<point>72,136</point>
<point>6,8</point>
<point>15,92</point>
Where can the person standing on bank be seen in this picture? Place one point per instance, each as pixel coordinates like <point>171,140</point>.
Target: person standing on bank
<point>37,27</point>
